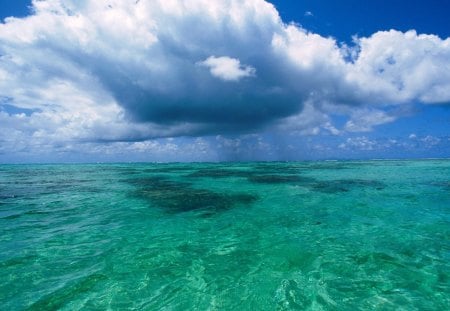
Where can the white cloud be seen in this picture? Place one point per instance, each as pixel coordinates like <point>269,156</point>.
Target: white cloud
<point>363,120</point>
<point>412,136</point>
<point>310,121</point>
<point>227,68</point>
<point>331,128</point>
<point>430,140</point>
<point>87,77</point>
<point>359,143</point>
<point>397,67</point>
<point>308,51</point>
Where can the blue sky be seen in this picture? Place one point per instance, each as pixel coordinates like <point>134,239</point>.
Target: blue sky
<point>345,18</point>
<point>216,81</point>
<point>18,8</point>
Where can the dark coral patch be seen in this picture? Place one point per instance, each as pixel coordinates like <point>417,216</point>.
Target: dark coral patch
<point>280,168</point>
<point>346,185</point>
<point>280,179</point>
<point>444,185</point>
<point>262,176</point>
<point>176,197</point>
<point>167,169</point>
<point>156,181</point>
<point>328,166</point>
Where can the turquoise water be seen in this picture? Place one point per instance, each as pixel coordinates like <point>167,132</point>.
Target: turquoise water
<point>241,236</point>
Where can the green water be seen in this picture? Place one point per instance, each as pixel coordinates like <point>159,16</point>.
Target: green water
<point>243,236</point>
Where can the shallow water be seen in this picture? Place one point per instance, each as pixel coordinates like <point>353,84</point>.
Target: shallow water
<point>246,236</point>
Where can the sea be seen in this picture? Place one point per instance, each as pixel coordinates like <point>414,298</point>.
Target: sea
<point>336,235</point>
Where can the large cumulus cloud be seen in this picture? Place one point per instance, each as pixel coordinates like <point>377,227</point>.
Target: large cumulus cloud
<point>124,70</point>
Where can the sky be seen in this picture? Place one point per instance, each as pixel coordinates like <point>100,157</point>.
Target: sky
<point>228,80</point>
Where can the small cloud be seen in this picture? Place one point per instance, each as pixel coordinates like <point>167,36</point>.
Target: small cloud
<point>431,140</point>
<point>412,136</point>
<point>227,68</point>
<point>364,120</point>
<point>359,143</point>
<point>309,13</point>
<point>331,128</point>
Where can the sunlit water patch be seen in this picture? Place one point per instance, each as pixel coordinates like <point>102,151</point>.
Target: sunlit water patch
<point>246,236</point>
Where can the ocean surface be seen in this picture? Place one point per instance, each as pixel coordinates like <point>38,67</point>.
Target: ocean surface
<point>363,235</point>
